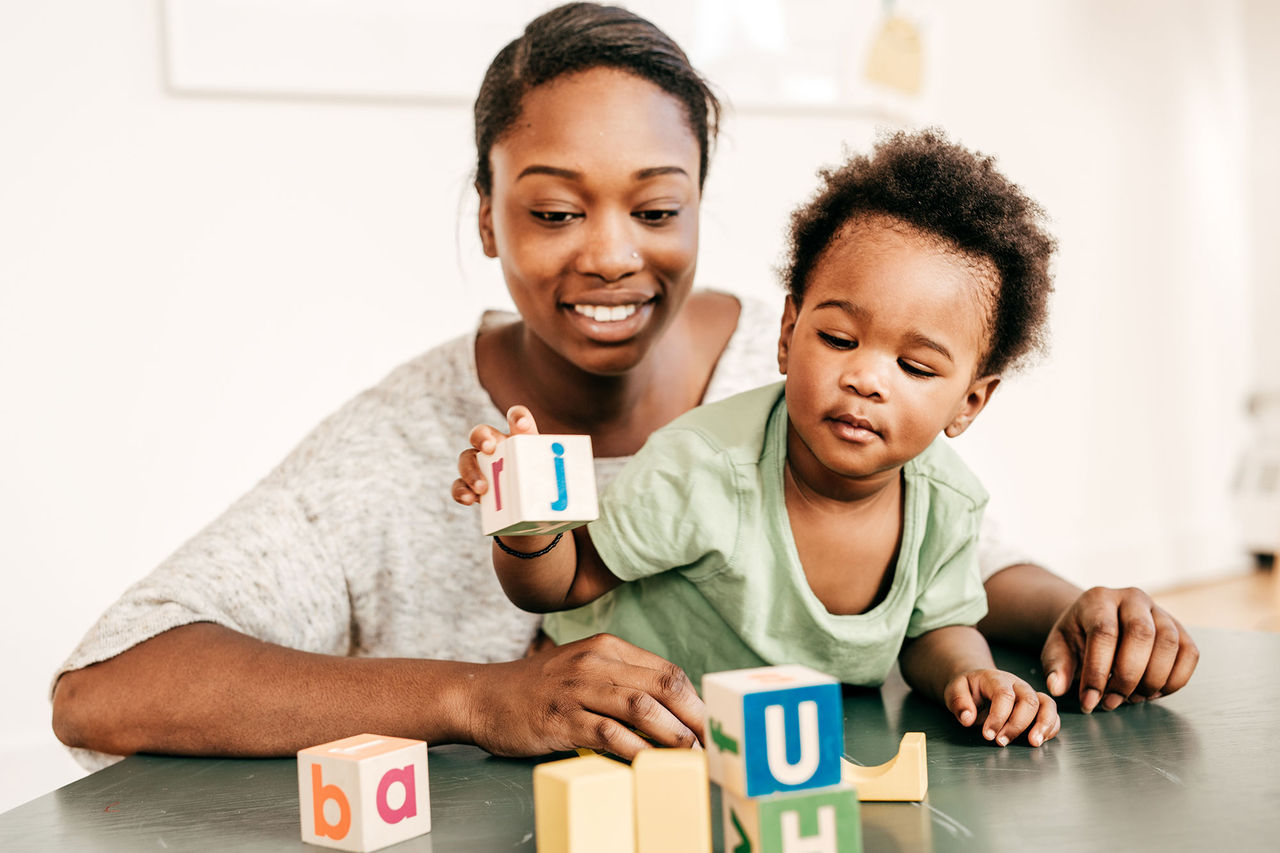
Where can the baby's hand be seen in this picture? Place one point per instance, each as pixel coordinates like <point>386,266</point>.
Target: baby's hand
<point>1011,706</point>
<point>471,484</point>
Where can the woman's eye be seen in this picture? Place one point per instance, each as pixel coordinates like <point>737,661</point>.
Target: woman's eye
<point>555,217</point>
<point>837,342</point>
<point>914,370</point>
<point>653,216</point>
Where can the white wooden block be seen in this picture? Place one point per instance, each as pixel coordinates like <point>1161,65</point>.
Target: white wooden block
<point>773,728</point>
<point>364,792</point>
<point>584,805</point>
<point>819,820</point>
<point>673,801</point>
<point>538,484</point>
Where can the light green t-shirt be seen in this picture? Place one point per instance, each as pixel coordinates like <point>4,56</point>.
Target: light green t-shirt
<point>698,524</point>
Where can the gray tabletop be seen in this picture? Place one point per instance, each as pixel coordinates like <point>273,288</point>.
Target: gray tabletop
<point>1193,771</point>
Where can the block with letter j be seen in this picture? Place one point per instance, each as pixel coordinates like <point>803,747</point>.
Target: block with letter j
<point>538,484</point>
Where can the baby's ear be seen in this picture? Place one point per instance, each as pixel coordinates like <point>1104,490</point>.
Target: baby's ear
<point>975,400</point>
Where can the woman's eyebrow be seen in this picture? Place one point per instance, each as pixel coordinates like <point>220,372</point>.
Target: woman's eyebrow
<point>571,175</point>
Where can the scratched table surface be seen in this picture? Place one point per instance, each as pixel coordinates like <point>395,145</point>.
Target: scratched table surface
<point>1193,771</point>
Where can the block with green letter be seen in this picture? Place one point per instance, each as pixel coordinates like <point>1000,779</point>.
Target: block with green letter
<point>817,820</point>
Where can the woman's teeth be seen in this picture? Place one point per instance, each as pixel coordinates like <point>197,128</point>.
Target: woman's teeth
<point>606,313</point>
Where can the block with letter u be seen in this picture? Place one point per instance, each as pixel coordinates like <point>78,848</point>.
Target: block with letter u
<point>772,729</point>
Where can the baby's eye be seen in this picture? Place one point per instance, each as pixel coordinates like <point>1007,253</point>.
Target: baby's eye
<point>837,342</point>
<point>555,217</point>
<point>655,216</point>
<point>915,369</point>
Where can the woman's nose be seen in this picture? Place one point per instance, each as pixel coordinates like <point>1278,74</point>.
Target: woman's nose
<point>609,252</point>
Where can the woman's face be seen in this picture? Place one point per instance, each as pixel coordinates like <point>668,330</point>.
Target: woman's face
<point>594,215</point>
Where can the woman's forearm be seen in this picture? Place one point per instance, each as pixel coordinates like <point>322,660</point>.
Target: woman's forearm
<point>1023,603</point>
<point>203,689</point>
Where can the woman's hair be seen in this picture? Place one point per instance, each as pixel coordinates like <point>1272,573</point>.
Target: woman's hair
<point>578,37</point>
<point>946,191</point>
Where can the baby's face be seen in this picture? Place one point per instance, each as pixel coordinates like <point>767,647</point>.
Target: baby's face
<point>884,351</point>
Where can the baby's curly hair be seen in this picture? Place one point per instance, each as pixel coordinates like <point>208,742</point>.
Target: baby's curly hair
<point>947,191</point>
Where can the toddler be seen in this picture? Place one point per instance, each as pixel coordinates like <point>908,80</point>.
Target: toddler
<point>823,520</point>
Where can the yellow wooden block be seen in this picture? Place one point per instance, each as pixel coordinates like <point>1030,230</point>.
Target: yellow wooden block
<point>584,805</point>
<point>905,777</point>
<point>673,801</point>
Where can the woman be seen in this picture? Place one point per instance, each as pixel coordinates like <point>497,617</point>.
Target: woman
<point>347,593</point>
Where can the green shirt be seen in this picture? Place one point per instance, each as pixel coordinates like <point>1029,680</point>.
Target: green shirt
<point>698,523</point>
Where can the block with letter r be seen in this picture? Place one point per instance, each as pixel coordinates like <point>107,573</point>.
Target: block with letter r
<point>538,484</point>
<point>773,728</point>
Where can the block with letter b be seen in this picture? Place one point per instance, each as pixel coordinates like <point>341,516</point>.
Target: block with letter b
<point>818,820</point>
<point>538,484</point>
<point>364,792</point>
<point>773,728</point>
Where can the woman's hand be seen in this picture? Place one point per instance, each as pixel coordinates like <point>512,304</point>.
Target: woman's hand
<point>471,483</point>
<point>1124,646</point>
<point>590,693</point>
<point>1006,706</point>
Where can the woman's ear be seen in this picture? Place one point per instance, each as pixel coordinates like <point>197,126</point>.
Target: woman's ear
<point>975,400</point>
<point>487,240</point>
<point>785,335</point>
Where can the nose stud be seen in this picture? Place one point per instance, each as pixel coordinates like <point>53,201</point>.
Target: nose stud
<point>635,255</point>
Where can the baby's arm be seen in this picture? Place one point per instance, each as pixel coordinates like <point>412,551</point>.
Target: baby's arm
<point>566,571</point>
<point>953,665</point>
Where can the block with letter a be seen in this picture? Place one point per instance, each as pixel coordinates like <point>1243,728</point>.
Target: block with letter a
<point>364,792</point>
<point>538,484</point>
<point>773,728</point>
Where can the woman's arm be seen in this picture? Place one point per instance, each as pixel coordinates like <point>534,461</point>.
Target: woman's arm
<point>1118,641</point>
<point>203,689</point>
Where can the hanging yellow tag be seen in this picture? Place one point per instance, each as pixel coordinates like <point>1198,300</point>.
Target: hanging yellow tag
<point>896,59</point>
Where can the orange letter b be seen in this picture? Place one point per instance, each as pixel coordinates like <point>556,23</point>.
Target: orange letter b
<point>320,793</point>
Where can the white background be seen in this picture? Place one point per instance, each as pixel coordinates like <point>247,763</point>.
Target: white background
<point>190,281</point>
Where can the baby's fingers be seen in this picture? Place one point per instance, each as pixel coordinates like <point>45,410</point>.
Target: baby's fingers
<point>1002,698</point>
<point>959,701</point>
<point>1026,707</point>
<point>521,422</point>
<point>1047,722</point>
<point>485,439</point>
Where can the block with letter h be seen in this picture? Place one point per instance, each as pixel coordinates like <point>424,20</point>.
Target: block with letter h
<point>774,740</point>
<point>364,792</point>
<point>538,484</point>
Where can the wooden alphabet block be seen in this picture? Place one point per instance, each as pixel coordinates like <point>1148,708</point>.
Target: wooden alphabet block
<point>538,484</point>
<point>584,805</point>
<point>673,801</point>
<point>818,820</point>
<point>905,777</point>
<point>773,728</point>
<point>364,792</point>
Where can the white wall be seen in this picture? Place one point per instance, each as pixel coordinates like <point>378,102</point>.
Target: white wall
<point>189,284</point>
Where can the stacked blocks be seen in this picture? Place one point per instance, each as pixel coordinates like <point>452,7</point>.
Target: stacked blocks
<point>775,737</point>
<point>538,484</point>
<point>364,792</point>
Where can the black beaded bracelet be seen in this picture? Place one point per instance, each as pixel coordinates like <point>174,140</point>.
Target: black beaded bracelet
<point>526,555</point>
